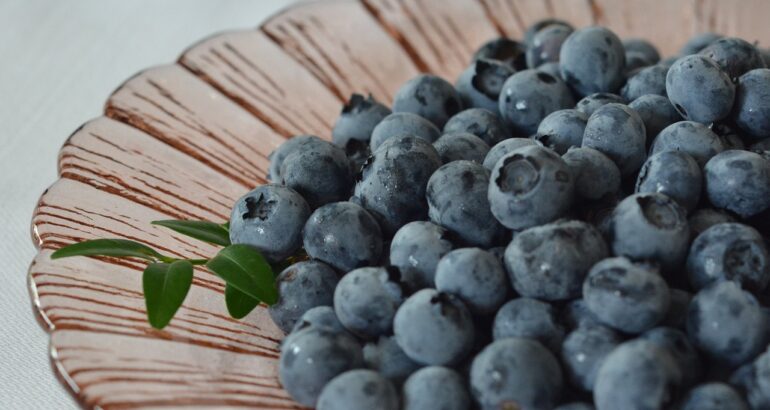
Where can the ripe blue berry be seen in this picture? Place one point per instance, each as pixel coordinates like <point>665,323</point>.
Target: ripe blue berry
<point>648,80</point>
<point>461,146</point>
<point>387,358</point>
<point>562,129</point>
<point>681,350</point>
<point>302,286</point>
<point>475,276</point>
<point>357,120</point>
<point>689,137</point>
<point>592,60</point>
<point>528,96</point>
<point>290,146</point>
<point>674,174</point>
<point>531,319</point>
<point>618,132</point>
<point>739,181</point>
<point>584,350</point>
<point>698,42</point>
<point>416,249</point>
<point>699,89</point>
<point>436,388</point>
<point>403,123</point>
<point>713,396</point>
<point>366,299</point>
<point>752,110</point>
<point>546,44</point>
<point>596,175</point>
<point>734,56</point>
<point>359,389</point>
<point>505,50</point>
<point>480,84</point>
<point>482,123</point>
<point>503,147</point>
<point>430,97</point>
<point>642,46</point>
<point>656,112</point>
<point>590,103</point>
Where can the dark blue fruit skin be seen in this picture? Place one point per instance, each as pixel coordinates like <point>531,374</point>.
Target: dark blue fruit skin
<point>393,181</point>
<point>344,235</point>
<point>637,375</point>
<point>699,89</point>
<point>357,120</point>
<point>475,276</point>
<point>530,186</point>
<point>435,388</point>
<point>698,42</point>
<point>596,175</point>
<point>680,348</point>
<point>618,132</point>
<point>550,68</point>
<point>546,44</point>
<point>518,371</point>
<point>592,60</point>
<point>529,96</point>
<point>562,129</point>
<point>635,61</point>
<point>575,406</point>
<point>656,112</point>
<point>530,319</point>
<point>312,357</point>
<point>480,84</point>
<point>366,299</point>
<point>642,46</point>
<point>385,357</point>
<point>302,286</point>
<point>729,251</point>
<point>359,389</point>
<point>676,316</point>
<point>291,145</point>
<point>584,350</point>
<point>626,296</point>
<point>713,396</point>
<point>457,200</point>
<point>690,137</point>
<point>576,314</point>
<point>705,218</point>
<point>650,226</point>
<point>270,218</point>
<point>752,110</point>
<point>434,328</point>
<point>674,174</point>
<point>726,323</point>
<point>534,28</point>
<point>754,379</point>
<point>403,123</point>
<point>739,181</point>
<point>734,56</point>
<point>322,317</point>
<point>551,261</point>
<point>321,173</point>
<point>503,147</point>
<point>648,80</point>
<point>482,123</point>
<point>590,103</point>
<point>505,50</point>
<point>430,97</point>
<point>415,251</point>
<point>461,146</point>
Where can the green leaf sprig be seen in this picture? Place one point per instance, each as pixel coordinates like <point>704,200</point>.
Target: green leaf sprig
<point>249,278</point>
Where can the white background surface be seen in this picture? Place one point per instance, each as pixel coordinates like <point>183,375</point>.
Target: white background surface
<point>59,60</point>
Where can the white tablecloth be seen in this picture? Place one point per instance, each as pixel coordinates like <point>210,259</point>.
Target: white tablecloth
<point>59,60</point>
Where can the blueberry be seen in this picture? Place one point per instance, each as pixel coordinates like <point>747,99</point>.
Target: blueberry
<point>403,123</point>
<point>503,147</point>
<point>516,372</point>
<point>434,328</point>
<point>713,396</point>
<point>311,358</point>
<point>561,130</point>
<point>590,103</point>
<point>546,44</point>
<point>699,89</point>
<point>734,56</point>
<point>739,181</point>
<point>637,375</point>
<point>626,296</point>
<point>534,28</point>
<point>530,186</point>
<point>690,137</point>
<point>480,84</point>
<point>531,319</point>
<point>457,200</point>
<point>321,317</point>
<point>505,50</point>
<point>656,112</point>
<point>726,323</point>
<point>393,181</point>
<point>302,286</point>
<point>435,388</point>
<point>677,309</point>
<point>550,68</point>
<point>528,96</point>
<point>577,314</point>
<point>366,299</point>
<point>385,357</point>
<point>635,62</point>
<point>642,46</point>
<point>359,389</point>
<point>430,97</point>
<point>681,350</point>
<point>461,146</point>
<point>705,218</point>
<point>343,235</point>
<point>290,146</point>
<point>482,123</point>
<point>755,381</point>
<point>618,132</point>
<point>415,251</point>
<point>674,174</point>
<point>321,173</point>
<point>596,175</point>
<point>729,251</point>
<point>752,111</point>
<point>551,261</point>
<point>697,43</point>
<point>650,226</point>
<point>584,350</point>
<point>475,276</point>
<point>592,60</point>
<point>357,120</point>
<point>270,218</point>
<point>648,80</point>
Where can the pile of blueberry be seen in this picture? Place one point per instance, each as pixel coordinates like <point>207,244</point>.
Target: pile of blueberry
<point>574,224</point>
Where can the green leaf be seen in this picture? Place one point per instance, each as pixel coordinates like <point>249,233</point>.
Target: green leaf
<point>203,230</point>
<point>165,287</point>
<point>119,248</point>
<point>238,303</point>
<point>246,269</point>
